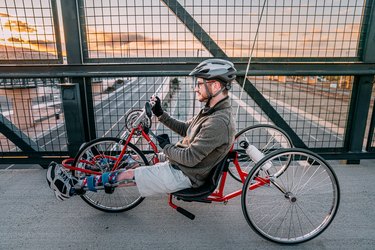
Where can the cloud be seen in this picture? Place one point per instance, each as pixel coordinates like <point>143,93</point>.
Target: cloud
<point>120,37</point>
<point>16,40</point>
<point>41,42</point>
<point>18,26</point>
<point>20,34</point>
<point>116,40</point>
<point>35,45</point>
<point>4,15</point>
<point>43,45</point>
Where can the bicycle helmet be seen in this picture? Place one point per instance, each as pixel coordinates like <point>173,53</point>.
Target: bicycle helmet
<point>216,69</point>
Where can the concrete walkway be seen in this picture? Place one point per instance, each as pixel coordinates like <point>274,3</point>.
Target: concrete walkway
<point>31,218</point>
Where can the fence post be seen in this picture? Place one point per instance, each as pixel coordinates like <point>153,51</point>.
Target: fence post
<point>358,111</point>
<point>73,114</point>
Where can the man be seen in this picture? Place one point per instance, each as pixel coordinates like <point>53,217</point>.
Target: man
<point>188,162</point>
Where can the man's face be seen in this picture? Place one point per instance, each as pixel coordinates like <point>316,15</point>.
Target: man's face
<point>201,91</point>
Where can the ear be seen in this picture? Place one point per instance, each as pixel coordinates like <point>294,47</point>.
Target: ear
<point>217,85</point>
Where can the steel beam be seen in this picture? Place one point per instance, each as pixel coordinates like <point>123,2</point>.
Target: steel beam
<point>195,28</point>
<point>368,56</point>
<point>370,137</point>
<point>88,107</point>
<point>15,135</point>
<point>368,33</point>
<point>357,120</point>
<point>75,125</point>
<point>182,69</point>
<point>69,10</point>
<point>56,25</point>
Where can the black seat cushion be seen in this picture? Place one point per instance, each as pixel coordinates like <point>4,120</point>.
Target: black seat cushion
<point>207,188</point>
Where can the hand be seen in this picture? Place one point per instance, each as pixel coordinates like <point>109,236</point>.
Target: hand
<point>156,108</point>
<point>163,140</point>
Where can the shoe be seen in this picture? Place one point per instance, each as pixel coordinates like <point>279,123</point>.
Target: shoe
<point>60,181</point>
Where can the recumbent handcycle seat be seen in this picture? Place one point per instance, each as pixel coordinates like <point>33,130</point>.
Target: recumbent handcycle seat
<point>202,192</point>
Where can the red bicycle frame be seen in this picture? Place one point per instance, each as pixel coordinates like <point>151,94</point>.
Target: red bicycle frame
<point>67,163</point>
<point>218,195</point>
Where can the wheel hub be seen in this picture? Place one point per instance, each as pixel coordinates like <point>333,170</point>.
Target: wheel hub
<point>291,197</point>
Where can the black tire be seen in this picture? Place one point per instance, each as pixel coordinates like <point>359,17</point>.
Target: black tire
<point>122,199</point>
<point>298,205</point>
<point>265,137</point>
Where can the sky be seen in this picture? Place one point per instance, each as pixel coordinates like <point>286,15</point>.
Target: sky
<point>129,28</point>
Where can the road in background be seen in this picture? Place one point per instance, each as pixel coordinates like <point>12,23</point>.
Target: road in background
<point>110,110</point>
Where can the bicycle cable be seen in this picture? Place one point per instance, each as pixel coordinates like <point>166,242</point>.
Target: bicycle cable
<point>250,57</point>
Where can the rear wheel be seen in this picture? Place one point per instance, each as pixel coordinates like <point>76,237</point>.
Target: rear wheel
<point>100,155</point>
<point>266,138</point>
<point>296,206</point>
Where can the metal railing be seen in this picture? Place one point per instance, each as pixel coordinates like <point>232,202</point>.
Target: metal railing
<point>311,73</point>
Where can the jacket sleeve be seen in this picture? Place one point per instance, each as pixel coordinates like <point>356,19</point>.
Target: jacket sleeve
<point>175,125</point>
<point>212,135</point>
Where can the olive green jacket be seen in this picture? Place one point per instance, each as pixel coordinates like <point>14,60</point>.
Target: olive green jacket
<point>207,139</point>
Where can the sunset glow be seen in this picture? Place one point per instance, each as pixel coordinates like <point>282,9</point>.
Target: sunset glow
<point>122,29</point>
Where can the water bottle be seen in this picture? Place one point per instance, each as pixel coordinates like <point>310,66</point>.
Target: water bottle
<point>254,154</point>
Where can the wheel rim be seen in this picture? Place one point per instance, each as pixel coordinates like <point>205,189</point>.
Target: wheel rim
<point>102,155</point>
<point>122,198</point>
<point>303,210</point>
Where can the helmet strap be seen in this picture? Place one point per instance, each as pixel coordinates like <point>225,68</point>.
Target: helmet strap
<point>210,95</point>
<point>218,92</point>
<point>207,90</point>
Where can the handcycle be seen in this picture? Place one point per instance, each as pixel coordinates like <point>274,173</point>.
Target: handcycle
<point>288,196</point>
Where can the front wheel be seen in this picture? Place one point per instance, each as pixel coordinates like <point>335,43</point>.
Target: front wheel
<point>100,155</point>
<point>296,206</point>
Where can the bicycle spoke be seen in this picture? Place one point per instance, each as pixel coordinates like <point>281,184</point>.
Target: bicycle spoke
<point>107,151</point>
<point>266,138</point>
<point>305,207</point>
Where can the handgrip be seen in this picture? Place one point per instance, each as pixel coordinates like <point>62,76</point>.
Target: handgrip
<point>186,213</point>
<point>148,109</point>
